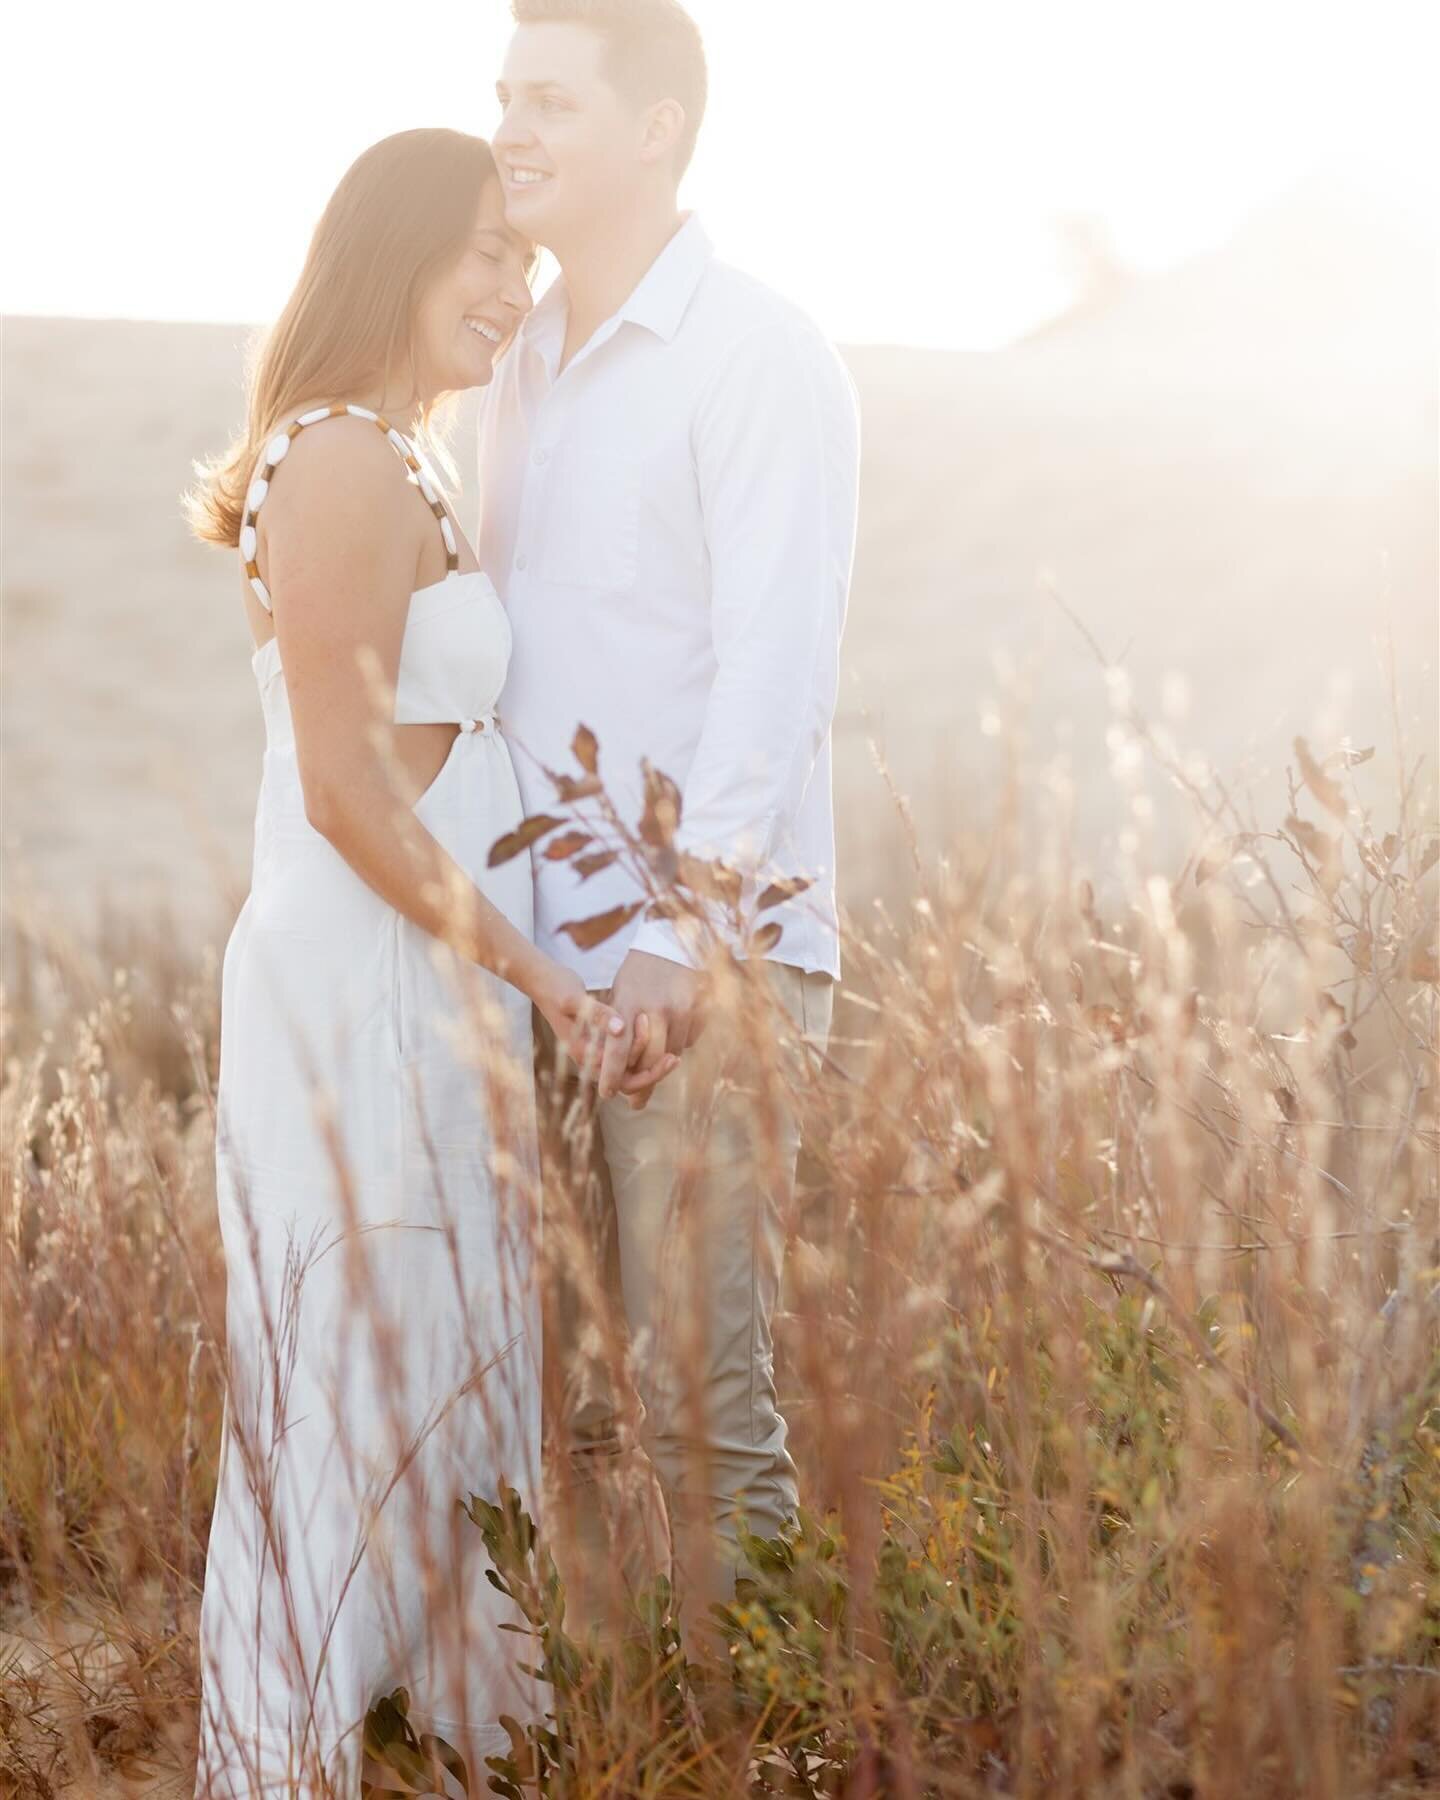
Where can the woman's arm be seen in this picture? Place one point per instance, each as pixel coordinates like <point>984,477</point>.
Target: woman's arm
<point>341,534</point>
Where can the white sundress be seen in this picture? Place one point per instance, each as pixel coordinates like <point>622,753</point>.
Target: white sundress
<point>376,1186</point>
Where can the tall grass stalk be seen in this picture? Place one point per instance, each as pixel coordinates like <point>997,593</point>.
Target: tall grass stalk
<point>1110,1349</point>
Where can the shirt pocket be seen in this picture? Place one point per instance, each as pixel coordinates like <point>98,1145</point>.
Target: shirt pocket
<point>591,530</point>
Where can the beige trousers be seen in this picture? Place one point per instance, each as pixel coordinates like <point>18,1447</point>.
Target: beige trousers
<point>661,1285</point>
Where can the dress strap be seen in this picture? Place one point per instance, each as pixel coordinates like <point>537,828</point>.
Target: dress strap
<point>277,449</point>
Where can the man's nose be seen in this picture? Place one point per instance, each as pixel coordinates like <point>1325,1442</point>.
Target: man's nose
<point>510,133</point>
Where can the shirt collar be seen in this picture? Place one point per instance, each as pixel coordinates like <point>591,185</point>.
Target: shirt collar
<point>667,287</point>
<point>658,300</point>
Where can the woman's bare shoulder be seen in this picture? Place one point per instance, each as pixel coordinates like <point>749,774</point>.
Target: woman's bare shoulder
<point>340,483</point>
<point>344,459</point>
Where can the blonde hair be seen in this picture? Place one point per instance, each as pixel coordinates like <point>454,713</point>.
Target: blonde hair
<point>402,213</point>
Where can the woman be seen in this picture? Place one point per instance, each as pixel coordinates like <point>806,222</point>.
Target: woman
<point>375,1133</point>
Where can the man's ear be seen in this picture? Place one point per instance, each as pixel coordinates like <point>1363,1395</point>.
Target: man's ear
<point>664,127</point>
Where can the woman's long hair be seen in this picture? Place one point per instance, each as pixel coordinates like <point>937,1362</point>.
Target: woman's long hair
<point>402,213</point>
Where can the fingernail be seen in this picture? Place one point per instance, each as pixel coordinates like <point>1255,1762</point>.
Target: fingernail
<point>617,1026</point>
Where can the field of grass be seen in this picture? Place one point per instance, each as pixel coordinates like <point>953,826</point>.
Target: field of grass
<point>1110,1348</point>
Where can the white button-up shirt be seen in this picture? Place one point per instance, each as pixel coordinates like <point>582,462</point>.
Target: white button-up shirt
<point>671,524</point>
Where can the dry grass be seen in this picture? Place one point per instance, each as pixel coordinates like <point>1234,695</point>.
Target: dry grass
<point>1110,1350</point>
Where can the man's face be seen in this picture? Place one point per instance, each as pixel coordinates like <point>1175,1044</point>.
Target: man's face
<point>568,145</point>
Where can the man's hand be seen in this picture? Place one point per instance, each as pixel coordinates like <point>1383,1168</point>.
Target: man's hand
<point>669,995</point>
<point>584,1026</point>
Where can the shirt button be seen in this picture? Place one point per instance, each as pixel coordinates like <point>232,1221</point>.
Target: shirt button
<point>542,457</point>
<point>521,562</point>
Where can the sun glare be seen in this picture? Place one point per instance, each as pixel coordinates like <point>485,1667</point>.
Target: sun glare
<point>913,175</point>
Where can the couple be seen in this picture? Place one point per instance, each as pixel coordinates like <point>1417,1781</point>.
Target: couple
<point>667,479</point>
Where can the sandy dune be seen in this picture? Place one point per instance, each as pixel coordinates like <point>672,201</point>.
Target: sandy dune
<point>1229,472</point>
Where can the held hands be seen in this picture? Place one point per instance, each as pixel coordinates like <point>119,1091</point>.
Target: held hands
<point>598,1037</point>
<point>659,1004</point>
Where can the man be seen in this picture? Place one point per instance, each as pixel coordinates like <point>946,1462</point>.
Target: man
<point>668,475</point>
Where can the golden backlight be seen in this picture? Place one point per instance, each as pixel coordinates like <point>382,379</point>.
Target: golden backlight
<point>913,173</point>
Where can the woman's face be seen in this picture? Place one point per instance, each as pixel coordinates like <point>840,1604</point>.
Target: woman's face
<point>471,311</point>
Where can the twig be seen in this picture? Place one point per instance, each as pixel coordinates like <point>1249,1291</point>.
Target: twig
<point>1320,1237</point>
<point>1389,1668</point>
<point>1123,1265</point>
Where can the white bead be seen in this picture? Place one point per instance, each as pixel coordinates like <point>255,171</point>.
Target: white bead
<point>255,499</point>
<point>448,534</point>
<point>247,542</point>
<point>362,412</point>
<point>314,418</point>
<point>425,488</point>
<point>275,450</point>
<point>262,592</point>
<point>398,441</point>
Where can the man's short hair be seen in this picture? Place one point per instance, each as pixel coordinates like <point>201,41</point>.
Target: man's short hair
<point>653,51</point>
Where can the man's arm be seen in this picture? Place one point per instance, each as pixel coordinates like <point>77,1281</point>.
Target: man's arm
<point>776,446</point>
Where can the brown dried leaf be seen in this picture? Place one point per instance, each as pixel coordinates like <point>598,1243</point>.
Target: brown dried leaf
<point>712,880</point>
<point>528,832</point>
<point>780,891</point>
<point>1310,838</point>
<point>664,863</point>
<point>568,842</point>
<point>1373,858</point>
<point>1319,783</point>
<point>585,934</point>
<point>662,807</point>
<point>766,938</point>
<point>1322,850</point>
<point>1424,965</point>
<point>1430,858</point>
<point>595,862</point>
<point>1333,1023</point>
<point>571,788</point>
<point>1286,1101</point>
<point>585,748</point>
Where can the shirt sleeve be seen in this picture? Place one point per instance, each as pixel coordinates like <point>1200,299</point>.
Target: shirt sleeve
<point>776,443</point>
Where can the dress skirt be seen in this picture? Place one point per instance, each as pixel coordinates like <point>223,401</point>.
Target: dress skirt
<point>378,1204</point>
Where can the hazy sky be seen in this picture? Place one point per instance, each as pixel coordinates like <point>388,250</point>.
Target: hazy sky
<point>898,167</point>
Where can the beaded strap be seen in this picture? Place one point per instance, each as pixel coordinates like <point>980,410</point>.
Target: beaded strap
<point>275,453</point>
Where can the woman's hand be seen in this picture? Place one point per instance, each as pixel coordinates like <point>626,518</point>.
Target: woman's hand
<point>642,1078</point>
<point>582,1025</point>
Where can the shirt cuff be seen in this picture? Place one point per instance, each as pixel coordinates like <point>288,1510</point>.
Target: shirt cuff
<point>658,937</point>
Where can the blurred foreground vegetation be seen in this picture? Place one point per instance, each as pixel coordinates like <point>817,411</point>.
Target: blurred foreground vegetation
<point>1110,1350</point>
